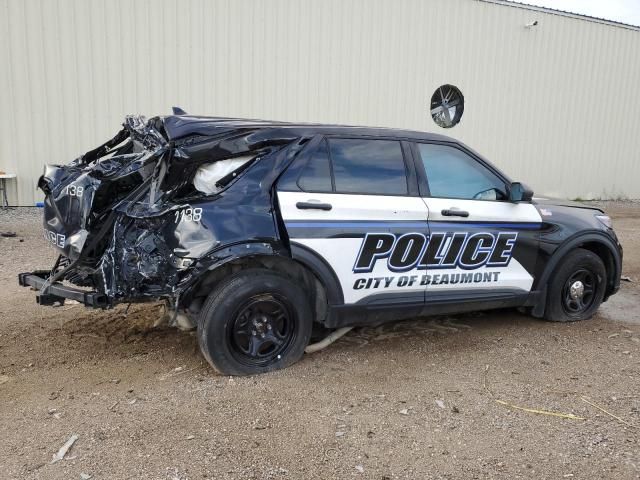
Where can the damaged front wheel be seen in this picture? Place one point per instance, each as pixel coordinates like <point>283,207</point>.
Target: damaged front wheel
<point>254,322</point>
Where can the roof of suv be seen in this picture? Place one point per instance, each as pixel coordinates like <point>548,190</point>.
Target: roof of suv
<point>178,126</point>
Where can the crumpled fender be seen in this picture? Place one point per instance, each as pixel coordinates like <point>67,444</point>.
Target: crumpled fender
<point>219,258</point>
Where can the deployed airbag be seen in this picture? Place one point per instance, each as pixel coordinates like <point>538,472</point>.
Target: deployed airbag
<point>209,174</point>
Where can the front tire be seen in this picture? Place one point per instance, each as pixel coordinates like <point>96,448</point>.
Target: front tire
<point>577,287</point>
<point>254,322</point>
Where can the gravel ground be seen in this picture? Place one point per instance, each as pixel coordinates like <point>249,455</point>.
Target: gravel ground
<point>429,398</point>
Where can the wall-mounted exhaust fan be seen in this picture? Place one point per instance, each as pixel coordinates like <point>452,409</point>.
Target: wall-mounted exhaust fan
<point>447,105</point>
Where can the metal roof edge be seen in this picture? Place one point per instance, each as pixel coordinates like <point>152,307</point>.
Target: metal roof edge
<point>562,13</point>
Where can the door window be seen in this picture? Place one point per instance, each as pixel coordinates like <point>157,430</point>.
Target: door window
<point>354,165</point>
<point>452,173</point>
<point>368,166</point>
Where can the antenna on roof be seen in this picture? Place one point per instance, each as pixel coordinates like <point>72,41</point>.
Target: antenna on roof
<point>178,111</point>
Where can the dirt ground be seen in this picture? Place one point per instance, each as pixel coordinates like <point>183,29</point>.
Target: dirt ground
<point>429,398</point>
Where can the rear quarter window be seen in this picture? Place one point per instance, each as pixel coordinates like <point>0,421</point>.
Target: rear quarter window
<point>316,176</point>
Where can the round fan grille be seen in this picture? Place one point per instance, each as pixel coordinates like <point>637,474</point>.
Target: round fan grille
<point>447,105</point>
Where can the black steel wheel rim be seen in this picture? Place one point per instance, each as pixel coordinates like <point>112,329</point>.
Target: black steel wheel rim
<point>262,329</point>
<point>579,292</point>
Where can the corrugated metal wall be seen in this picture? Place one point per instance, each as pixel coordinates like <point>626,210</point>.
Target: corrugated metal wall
<point>556,105</point>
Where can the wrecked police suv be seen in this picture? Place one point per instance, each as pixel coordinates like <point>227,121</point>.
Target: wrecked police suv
<point>257,233</point>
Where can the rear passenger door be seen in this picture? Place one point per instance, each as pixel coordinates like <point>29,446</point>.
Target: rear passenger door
<point>481,245</point>
<point>354,203</point>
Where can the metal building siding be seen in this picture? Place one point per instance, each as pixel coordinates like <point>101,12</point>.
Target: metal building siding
<point>555,105</point>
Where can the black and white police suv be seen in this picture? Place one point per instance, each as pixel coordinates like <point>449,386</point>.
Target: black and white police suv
<point>259,232</point>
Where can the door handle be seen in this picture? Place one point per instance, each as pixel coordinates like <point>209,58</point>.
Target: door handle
<point>313,206</point>
<point>454,212</point>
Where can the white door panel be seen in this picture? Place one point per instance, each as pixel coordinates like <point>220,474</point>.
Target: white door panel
<point>341,254</point>
<point>352,207</point>
<point>338,236</point>
<point>510,227</point>
<point>483,211</point>
<point>512,277</point>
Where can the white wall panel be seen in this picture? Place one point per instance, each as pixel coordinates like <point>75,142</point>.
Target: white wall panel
<point>556,105</point>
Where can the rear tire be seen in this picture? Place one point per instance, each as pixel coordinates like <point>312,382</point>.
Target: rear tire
<point>576,288</point>
<point>254,322</point>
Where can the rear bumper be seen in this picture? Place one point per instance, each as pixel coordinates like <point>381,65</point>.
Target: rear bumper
<point>58,293</point>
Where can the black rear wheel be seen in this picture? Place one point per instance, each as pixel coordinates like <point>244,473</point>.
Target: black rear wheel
<point>254,322</point>
<point>263,328</point>
<point>576,288</point>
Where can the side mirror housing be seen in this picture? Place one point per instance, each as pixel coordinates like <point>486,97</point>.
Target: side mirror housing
<point>519,192</point>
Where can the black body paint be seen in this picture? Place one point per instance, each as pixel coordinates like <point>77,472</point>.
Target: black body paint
<point>128,223</point>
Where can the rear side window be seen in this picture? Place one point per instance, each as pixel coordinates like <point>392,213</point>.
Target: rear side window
<point>368,166</point>
<point>346,165</point>
<point>452,173</point>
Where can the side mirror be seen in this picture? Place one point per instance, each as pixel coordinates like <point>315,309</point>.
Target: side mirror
<point>519,192</point>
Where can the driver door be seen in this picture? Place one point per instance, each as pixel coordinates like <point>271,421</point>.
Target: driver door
<point>480,242</point>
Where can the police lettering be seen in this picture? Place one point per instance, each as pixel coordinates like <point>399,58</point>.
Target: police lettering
<point>439,250</point>
<point>423,280</point>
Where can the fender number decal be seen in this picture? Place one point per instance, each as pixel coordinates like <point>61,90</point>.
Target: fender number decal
<point>189,215</point>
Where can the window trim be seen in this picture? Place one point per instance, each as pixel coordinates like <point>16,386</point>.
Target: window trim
<point>298,164</point>
<point>409,167</point>
<point>308,158</point>
<point>424,179</point>
<point>412,174</point>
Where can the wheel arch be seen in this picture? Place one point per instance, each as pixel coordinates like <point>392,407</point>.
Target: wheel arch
<point>321,269</point>
<point>317,281</point>
<point>597,242</point>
